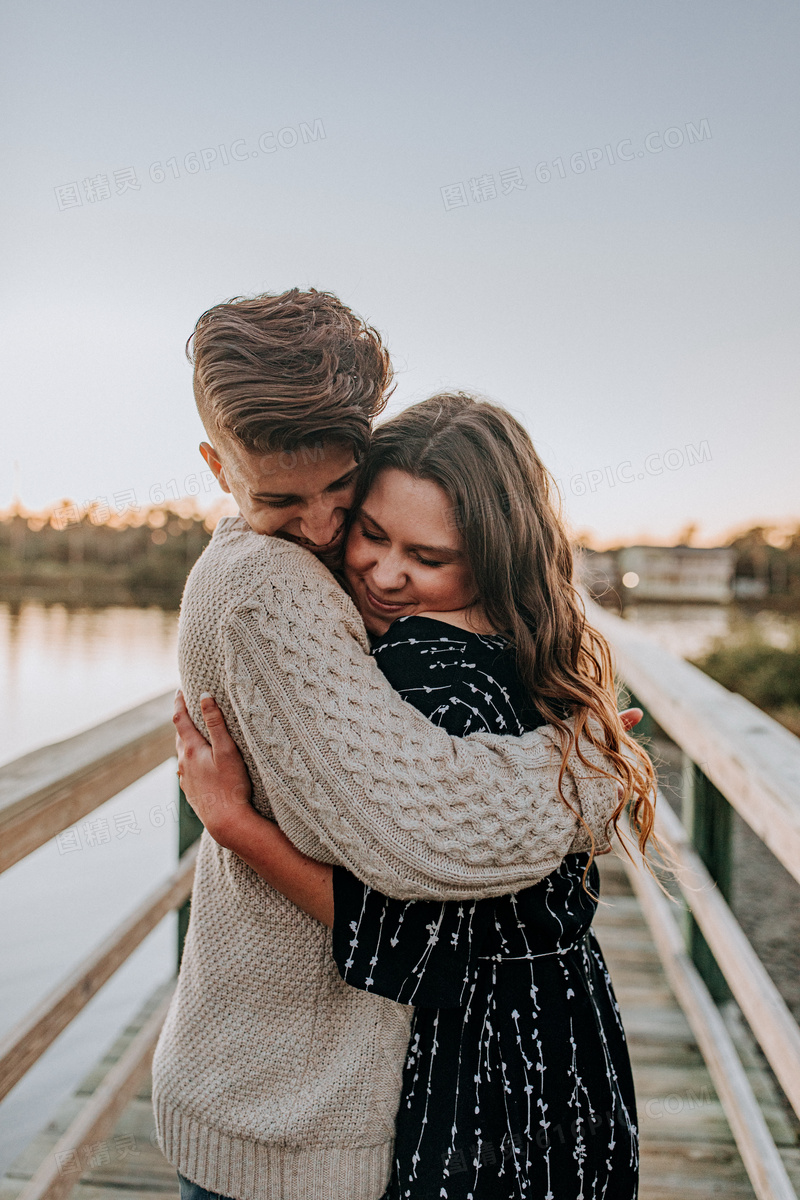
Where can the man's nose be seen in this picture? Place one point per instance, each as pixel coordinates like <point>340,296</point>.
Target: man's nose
<point>321,523</point>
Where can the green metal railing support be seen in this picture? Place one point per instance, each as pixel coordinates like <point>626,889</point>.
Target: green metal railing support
<point>189,829</point>
<point>708,819</point>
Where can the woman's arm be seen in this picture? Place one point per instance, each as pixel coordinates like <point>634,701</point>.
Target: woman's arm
<point>215,782</point>
<point>263,846</point>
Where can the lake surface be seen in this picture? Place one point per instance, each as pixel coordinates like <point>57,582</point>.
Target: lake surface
<point>691,629</point>
<point>62,672</point>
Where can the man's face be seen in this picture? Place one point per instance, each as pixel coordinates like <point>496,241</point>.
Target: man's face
<point>302,495</point>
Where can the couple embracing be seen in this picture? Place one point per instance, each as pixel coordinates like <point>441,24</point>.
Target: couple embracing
<point>411,757</point>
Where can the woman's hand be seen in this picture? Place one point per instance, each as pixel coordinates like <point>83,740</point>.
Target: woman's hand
<point>629,718</point>
<point>216,784</point>
<point>213,777</point>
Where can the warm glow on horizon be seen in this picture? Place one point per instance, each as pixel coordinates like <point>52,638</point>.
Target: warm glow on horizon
<point>67,512</point>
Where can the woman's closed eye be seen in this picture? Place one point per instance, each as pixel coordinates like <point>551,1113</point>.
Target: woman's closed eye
<point>423,562</point>
<point>378,537</point>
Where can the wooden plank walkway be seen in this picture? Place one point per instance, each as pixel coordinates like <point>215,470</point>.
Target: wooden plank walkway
<point>127,1164</point>
<point>687,1147</point>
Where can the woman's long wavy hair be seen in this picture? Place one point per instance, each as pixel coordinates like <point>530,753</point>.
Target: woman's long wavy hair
<point>505,505</point>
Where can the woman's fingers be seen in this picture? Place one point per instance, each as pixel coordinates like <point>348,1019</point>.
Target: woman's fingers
<point>184,725</point>
<point>631,717</point>
<point>222,744</point>
<point>188,740</point>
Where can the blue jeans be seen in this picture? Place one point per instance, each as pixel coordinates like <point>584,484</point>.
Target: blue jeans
<point>193,1191</point>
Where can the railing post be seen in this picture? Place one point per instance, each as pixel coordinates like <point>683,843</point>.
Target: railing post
<point>189,829</point>
<point>708,819</point>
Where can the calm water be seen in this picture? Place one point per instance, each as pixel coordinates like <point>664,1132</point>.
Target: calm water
<point>690,629</point>
<point>63,672</point>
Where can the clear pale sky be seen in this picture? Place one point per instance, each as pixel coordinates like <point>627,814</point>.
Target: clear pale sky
<point>624,312</point>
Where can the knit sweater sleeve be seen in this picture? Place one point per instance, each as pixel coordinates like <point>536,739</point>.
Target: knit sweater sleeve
<point>359,777</point>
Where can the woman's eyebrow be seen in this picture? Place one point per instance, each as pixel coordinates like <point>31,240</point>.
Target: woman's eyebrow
<point>362,512</point>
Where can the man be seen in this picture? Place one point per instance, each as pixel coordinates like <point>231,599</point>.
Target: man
<point>273,1080</point>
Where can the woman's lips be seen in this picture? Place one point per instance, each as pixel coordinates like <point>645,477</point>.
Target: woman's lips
<point>384,606</point>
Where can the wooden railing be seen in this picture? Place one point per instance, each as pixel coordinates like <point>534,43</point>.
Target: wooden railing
<point>46,791</point>
<point>41,795</point>
<point>735,757</point>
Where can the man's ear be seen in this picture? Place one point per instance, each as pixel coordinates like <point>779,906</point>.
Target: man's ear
<point>212,458</point>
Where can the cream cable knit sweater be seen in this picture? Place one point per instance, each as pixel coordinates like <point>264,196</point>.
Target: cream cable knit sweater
<point>273,1080</point>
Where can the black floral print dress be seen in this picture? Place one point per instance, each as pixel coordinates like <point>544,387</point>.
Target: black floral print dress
<point>517,1083</point>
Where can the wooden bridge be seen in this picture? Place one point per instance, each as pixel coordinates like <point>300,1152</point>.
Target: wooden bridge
<point>716,1051</point>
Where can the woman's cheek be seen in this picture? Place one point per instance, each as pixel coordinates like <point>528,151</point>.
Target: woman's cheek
<point>434,591</point>
<point>459,590</point>
<point>352,557</point>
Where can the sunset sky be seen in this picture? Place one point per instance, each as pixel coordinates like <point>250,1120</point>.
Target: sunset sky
<point>633,300</point>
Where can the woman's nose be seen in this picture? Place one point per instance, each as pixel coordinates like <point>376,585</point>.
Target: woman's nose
<point>388,574</point>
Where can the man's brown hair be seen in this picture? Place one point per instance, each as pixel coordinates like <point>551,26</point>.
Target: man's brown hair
<point>279,371</point>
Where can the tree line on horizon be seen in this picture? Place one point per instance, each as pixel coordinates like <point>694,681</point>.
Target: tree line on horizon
<point>148,552</point>
<point>144,556</point>
<point>141,556</point>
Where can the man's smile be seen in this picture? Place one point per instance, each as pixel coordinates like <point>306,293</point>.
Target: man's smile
<point>314,546</point>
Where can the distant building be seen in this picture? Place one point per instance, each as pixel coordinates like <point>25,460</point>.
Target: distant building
<point>682,573</point>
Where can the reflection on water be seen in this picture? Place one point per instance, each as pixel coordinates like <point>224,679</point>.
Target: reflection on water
<point>691,629</point>
<point>64,671</point>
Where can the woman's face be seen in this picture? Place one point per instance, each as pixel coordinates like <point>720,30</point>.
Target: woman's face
<point>404,554</point>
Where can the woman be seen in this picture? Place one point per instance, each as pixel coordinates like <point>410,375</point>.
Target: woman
<point>517,1081</point>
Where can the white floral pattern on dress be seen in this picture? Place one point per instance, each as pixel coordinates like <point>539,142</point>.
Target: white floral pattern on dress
<point>517,1082</point>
